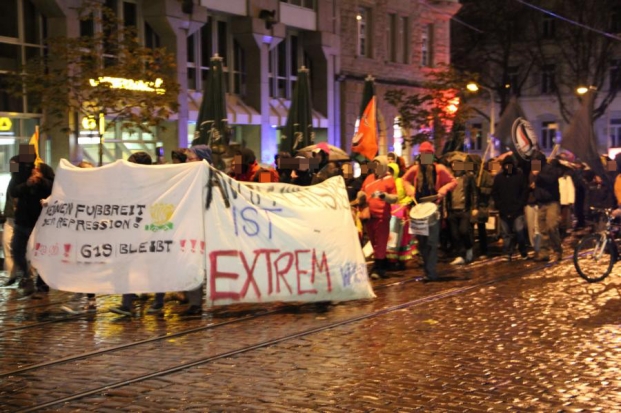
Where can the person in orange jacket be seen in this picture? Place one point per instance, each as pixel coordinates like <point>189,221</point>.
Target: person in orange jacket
<point>246,168</point>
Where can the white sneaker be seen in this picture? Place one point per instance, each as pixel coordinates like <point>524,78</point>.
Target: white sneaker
<point>458,261</point>
<point>72,308</point>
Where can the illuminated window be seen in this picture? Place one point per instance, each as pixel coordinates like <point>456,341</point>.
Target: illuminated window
<point>397,136</point>
<point>615,133</point>
<point>308,4</point>
<point>22,30</point>
<point>215,37</point>
<point>427,46</point>
<point>364,31</point>
<point>548,134</point>
<point>284,63</point>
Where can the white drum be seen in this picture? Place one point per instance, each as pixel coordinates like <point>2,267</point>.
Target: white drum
<point>422,216</point>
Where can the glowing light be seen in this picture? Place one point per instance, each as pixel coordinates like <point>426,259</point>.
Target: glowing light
<point>453,105</point>
<point>130,84</point>
<point>89,123</point>
<point>582,90</point>
<point>358,17</point>
<point>397,137</point>
<point>473,87</point>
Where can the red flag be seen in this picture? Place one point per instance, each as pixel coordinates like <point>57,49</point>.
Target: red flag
<point>365,139</point>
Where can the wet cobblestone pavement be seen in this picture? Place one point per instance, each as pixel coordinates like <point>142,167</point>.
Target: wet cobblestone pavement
<point>494,336</point>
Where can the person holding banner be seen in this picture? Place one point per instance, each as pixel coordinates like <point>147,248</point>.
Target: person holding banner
<point>378,192</point>
<point>127,300</point>
<point>75,305</point>
<point>34,183</point>
<point>428,178</point>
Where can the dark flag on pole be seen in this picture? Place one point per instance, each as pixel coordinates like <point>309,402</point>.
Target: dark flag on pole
<point>455,141</point>
<point>579,138</point>
<point>368,92</point>
<point>512,112</point>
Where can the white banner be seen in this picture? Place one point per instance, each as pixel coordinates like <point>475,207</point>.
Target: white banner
<point>279,242</point>
<point>127,228</point>
<point>122,228</point>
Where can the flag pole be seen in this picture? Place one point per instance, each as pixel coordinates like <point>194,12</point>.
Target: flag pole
<point>487,149</point>
<point>555,150</point>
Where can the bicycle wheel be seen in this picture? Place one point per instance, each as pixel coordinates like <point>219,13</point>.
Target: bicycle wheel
<point>592,260</point>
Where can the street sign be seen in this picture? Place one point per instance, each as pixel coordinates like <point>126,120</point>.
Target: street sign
<point>5,124</point>
<point>89,123</point>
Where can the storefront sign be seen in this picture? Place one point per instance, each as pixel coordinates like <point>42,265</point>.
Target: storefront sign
<point>130,84</point>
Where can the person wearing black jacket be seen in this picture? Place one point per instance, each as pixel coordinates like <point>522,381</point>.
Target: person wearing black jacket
<point>548,199</point>
<point>32,185</point>
<point>509,192</point>
<point>461,204</point>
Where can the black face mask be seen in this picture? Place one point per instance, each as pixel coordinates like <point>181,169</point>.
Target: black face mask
<point>25,169</point>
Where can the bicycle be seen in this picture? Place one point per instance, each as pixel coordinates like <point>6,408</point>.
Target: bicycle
<point>597,253</point>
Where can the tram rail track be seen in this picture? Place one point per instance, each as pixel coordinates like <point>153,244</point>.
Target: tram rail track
<point>265,343</point>
<point>62,317</point>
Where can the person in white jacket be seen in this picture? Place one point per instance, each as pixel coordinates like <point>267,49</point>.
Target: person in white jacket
<point>568,196</point>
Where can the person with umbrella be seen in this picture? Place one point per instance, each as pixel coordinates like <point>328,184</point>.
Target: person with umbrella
<point>326,168</point>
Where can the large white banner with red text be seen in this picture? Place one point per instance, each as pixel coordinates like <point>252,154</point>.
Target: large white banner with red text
<point>122,228</point>
<point>279,242</point>
<point>127,228</point>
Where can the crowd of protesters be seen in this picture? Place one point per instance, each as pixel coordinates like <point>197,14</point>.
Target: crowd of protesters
<point>535,204</point>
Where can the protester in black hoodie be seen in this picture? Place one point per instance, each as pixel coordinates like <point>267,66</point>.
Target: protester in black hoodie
<point>33,184</point>
<point>509,193</point>
<point>548,199</point>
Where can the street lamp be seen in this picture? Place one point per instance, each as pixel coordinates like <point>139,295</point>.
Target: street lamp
<point>582,90</point>
<point>473,87</point>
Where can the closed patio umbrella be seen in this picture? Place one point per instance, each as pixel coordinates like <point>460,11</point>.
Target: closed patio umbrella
<point>298,131</point>
<point>212,123</point>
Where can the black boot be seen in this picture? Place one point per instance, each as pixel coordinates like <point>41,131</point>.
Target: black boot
<point>375,270</point>
<point>382,267</point>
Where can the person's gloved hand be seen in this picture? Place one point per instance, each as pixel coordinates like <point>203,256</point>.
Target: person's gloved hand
<point>388,198</point>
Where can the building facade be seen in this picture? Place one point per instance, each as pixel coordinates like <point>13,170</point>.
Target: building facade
<point>263,44</point>
<point>543,59</point>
